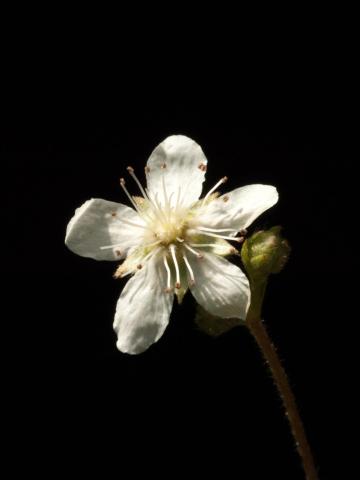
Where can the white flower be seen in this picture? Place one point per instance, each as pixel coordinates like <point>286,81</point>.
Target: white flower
<point>171,241</point>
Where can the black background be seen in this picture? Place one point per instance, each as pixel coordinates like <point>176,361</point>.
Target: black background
<point>190,404</point>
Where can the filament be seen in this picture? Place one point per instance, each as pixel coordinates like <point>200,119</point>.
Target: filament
<point>222,180</point>
<point>224,237</point>
<point>203,245</point>
<point>217,230</point>
<point>178,196</point>
<point>132,173</point>
<point>107,247</point>
<point>199,255</point>
<point>122,183</point>
<point>188,266</point>
<point>167,268</point>
<point>173,254</point>
<point>133,224</point>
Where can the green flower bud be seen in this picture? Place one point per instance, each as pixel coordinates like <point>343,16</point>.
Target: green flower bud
<point>265,252</point>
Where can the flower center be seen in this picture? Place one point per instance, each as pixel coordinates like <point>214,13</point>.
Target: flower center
<point>167,231</point>
<point>171,232</point>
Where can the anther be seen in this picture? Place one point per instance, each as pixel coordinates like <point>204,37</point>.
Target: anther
<point>225,198</point>
<point>139,267</point>
<point>130,170</point>
<point>243,232</point>
<point>121,272</point>
<point>202,167</point>
<point>147,169</point>
<point>238,239</point>
<point>118,253</point>
<point>177,285</point>
<point>181,240</point>
<point>163,166</point>
<point>113,214</point>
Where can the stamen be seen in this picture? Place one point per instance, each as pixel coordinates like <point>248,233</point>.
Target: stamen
<point>122,183</point>
<point>225,237</point>
<point>133,224</point>
<point>107,247</point>
<point>222,180</point>
<point>166,198</point>
<point>147,245</point>
<point>155,210</point>
<point>199,255</point>
<point>150,254</point>
<point>171,196</point>
<point>159,211</point>
<point>173,254</point>
<point>217,230</point>
<point>168,271</point>
<point>188,266</point>
<point>178,197</point>
<point>231,250</point>
<point>203,245</point>
<point>132,173</point>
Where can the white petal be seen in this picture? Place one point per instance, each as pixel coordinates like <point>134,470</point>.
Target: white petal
<point>99,223</point>
<point>143,309</point>
<point>178,163</point>
<point>239,208</point>
<point>220,287</point>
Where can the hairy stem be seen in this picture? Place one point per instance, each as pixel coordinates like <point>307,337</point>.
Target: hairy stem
<point>258,330</point>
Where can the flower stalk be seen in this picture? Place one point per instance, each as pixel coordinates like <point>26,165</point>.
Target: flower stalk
<point>265,253</point>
